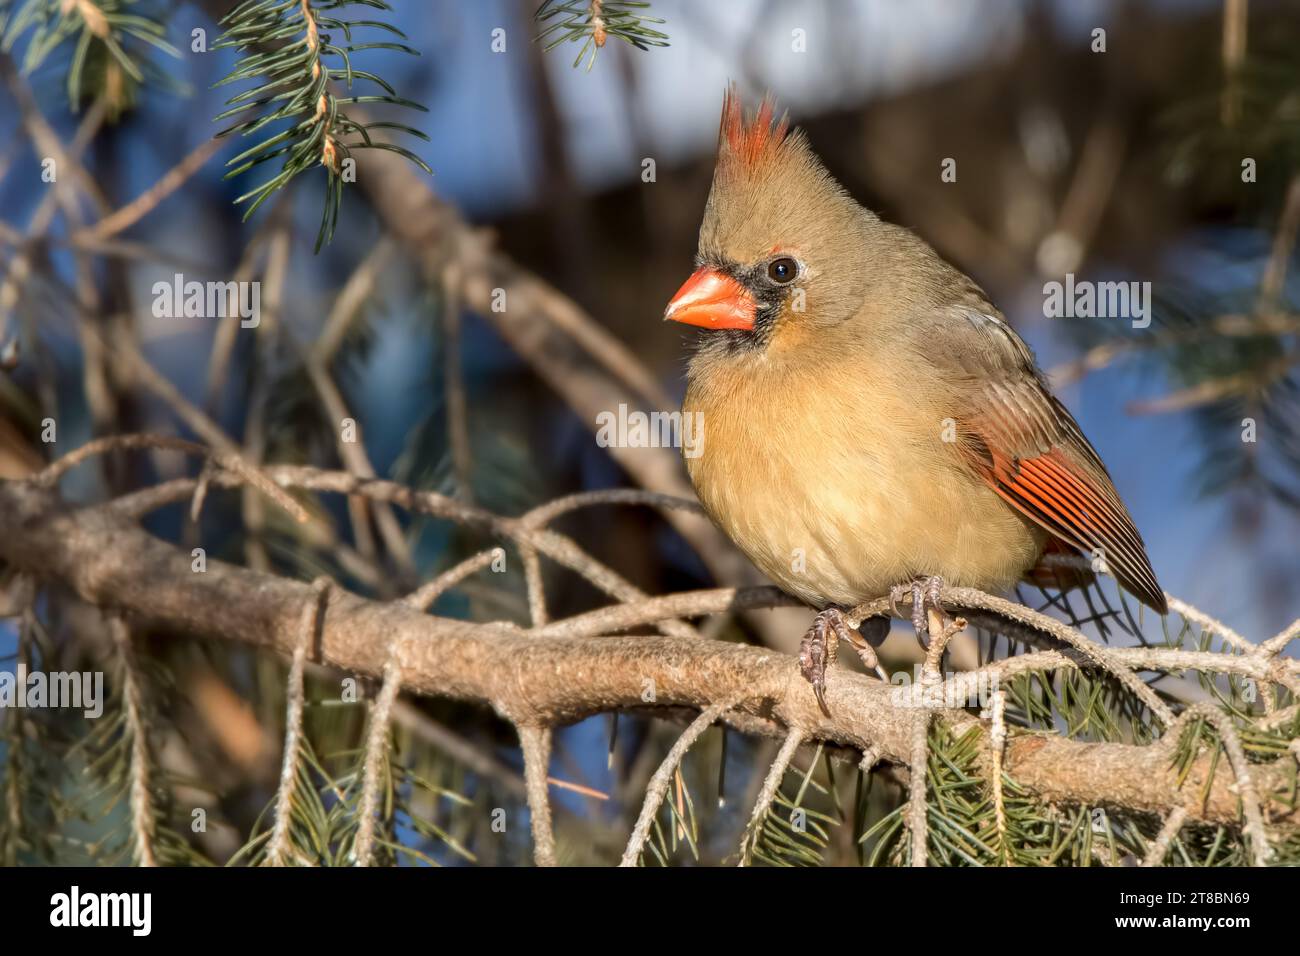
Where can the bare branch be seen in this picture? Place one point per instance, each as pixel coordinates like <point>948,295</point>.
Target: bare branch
<point>279,849</point>
<point>970,598</point>
<point>658,786</point>
<point>771,783</point>
<point>558,547</point>
<point>102,555</point>
<point>998,745</point>
<point>1165,838</point>
<point>229,460</point>
<point>916,810</point>
<point>1208,623</point>
<point>536,743</point>
<point>425,597</point>
<point>376,759</point>
<point>148,200</point>
<point>143,822</point>
<point>1255,830</point>
<point>1275,645</point>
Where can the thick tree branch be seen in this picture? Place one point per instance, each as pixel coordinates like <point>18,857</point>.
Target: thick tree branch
<point>103,555</point>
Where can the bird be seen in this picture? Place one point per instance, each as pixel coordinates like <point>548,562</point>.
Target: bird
<point>871,423</point>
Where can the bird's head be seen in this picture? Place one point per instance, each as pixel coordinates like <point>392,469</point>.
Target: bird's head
<point>783,249</point>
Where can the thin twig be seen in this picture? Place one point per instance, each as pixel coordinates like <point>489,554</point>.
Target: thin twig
<point>622,617</point>
<point>143,822</point>
<point>941,631</point>
<point>544,514</point>
<point>1165,838</point>
<point>998,744</point>
<point>771,783</point>
<point>1189,613</point>
<point>971,598</point>
<point>558,547</point>
<point>1275,645</point>
<point>376,759</point>
<point>534,585</point>
<point>279,849</point>
<point>354,457</point>
<point>148,200</point>
<point>536,744</point>
<point>350,301</point>
<point>1256,832</point>
<point>233,462</point>
<point>658,786</point>
<point>427,594</point>
<point>1173,660</point>
<point>454,383</point>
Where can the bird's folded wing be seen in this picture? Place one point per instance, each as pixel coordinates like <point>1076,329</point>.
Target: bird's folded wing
<point>1028,448</point>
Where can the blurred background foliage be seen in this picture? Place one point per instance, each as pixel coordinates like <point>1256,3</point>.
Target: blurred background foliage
<point>1122,164</point>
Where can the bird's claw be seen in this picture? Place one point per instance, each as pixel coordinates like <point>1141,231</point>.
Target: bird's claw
<point>820,646</point>
<point>816,652</point>
<point>925,595</point>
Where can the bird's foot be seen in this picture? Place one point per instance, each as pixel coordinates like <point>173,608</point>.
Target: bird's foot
<point>820,646</point>
<point>925,593</point>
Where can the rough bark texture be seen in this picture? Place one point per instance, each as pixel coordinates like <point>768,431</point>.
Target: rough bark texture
<point>111,562</point>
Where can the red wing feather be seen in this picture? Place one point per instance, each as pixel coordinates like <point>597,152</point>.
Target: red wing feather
<point>1064,498</point>
<point>1025,444</point>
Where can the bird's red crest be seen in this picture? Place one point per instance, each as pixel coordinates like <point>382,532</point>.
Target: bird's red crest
<point>749,143</point>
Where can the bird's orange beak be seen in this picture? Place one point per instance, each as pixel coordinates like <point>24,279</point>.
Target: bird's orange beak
<point>712,300</point>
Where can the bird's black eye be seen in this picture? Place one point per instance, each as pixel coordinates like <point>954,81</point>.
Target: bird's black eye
<point>782,270</point>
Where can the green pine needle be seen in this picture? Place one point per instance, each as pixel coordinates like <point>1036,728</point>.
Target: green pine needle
<point>109,40</point>
<point>288,49</point>
<point>594,22</point>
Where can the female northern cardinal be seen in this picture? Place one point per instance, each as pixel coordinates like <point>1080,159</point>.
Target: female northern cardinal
<point>870,419</point>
